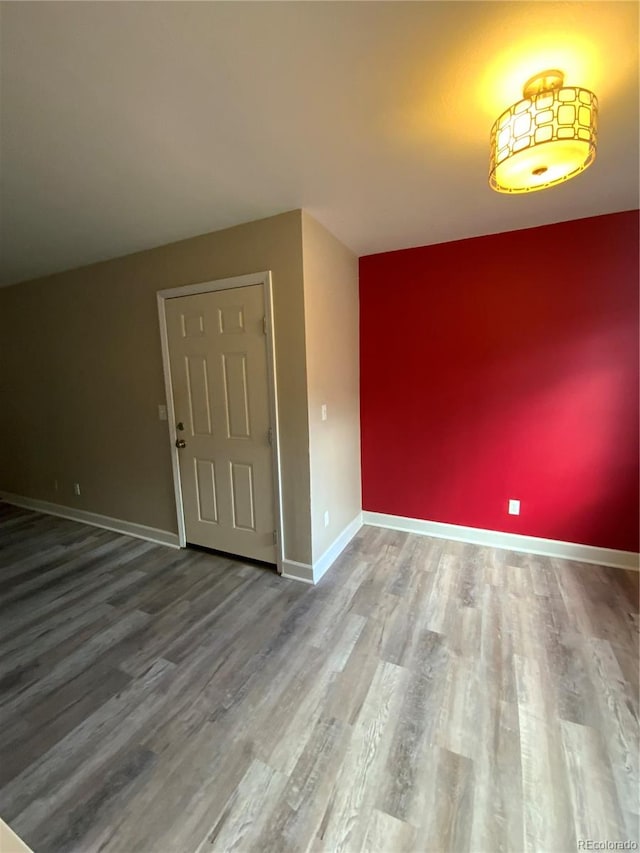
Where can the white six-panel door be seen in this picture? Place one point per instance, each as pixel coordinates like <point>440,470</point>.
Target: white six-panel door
<point>218,363</point>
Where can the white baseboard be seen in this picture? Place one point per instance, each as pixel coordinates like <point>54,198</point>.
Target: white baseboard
<point>297,571</point>
<point>308,573</point>
<point>10,842</point>
<point>323,563</point>
<point>509,541</point>
<point>130,528</point>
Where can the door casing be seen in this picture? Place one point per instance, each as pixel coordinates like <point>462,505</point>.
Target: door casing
<point>263,278</point>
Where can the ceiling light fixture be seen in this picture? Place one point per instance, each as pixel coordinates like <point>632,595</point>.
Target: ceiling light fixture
<point>544,139</point>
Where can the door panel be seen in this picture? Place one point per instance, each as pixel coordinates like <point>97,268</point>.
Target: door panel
<point>218,360</point>
<point>198,395</point>
<point>236,395</point>
<point>242,496</point>
<point>206,490</point>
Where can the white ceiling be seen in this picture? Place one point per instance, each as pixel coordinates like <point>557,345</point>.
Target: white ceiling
<point>130,125</point>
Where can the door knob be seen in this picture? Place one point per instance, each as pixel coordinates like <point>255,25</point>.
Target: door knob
<point>180,443</point>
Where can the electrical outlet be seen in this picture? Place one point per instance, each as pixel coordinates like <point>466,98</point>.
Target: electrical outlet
<point>514,507</point>
<point>76,488</point>
<point>323,411</point>
<point>326,518</point>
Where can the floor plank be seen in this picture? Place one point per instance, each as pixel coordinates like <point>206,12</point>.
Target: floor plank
<point>425,696</point>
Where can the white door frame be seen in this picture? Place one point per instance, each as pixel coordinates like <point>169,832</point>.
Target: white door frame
<point>263,278</point>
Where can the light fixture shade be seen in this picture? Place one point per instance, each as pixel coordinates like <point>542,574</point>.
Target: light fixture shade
<point>544,139</point>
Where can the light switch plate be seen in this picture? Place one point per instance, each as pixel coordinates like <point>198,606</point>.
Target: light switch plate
<point>162,412</point>
<point>514,507</point>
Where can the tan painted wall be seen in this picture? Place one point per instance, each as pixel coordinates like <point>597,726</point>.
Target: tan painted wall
<point>81,376</point>
<point>332,336</point>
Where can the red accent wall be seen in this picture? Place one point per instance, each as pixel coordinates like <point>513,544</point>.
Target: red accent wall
<point>506,367</point>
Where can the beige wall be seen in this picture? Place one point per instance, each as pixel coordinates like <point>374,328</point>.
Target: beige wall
<point>332,341</point>
<point>81,376</point>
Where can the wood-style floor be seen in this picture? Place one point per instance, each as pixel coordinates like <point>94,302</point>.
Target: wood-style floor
<point>426,696</point>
